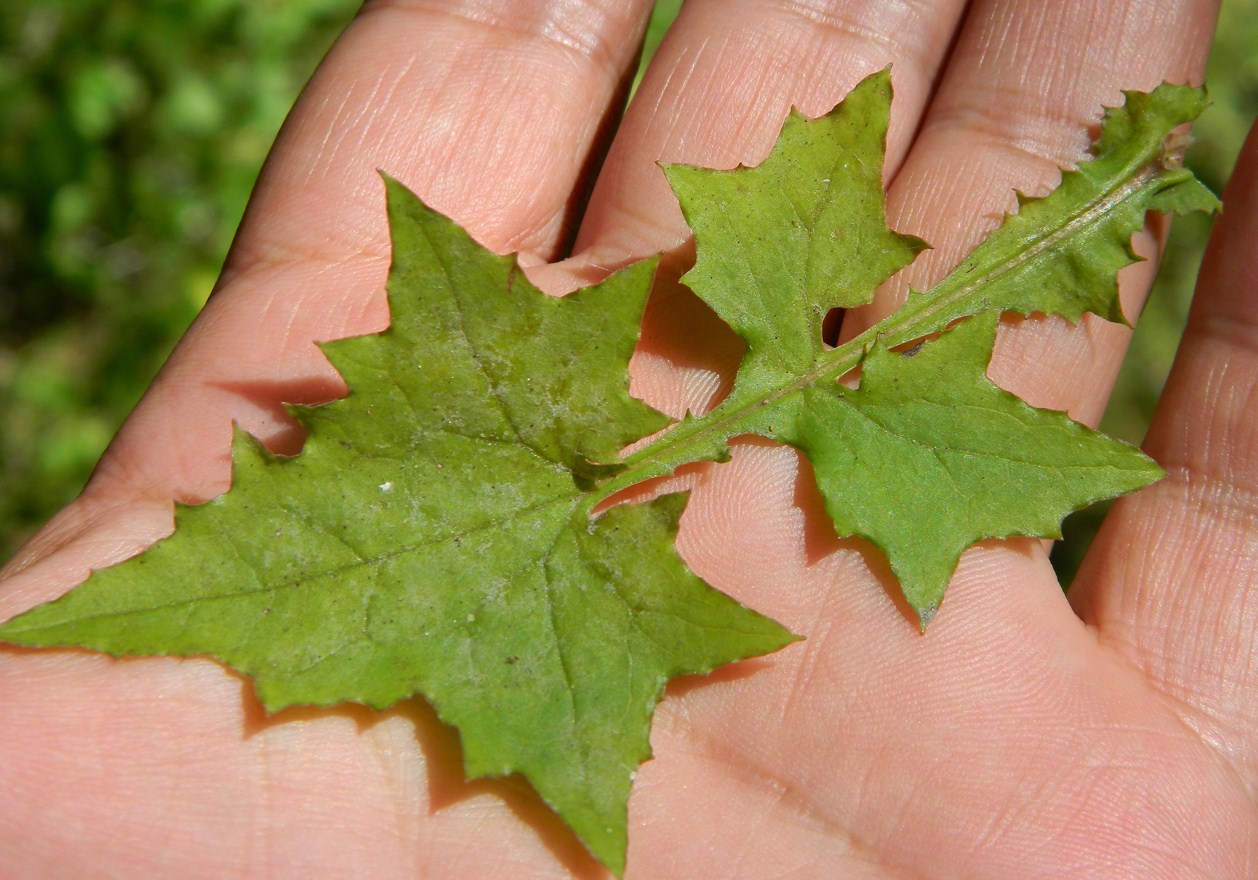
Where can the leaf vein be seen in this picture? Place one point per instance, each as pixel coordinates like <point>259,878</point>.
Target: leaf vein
<point>290,584</point>
<point>477,358</point>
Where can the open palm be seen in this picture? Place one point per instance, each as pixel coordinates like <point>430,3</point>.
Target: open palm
<point>1105,735</point>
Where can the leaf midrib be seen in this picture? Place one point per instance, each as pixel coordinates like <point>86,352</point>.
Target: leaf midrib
<point>912,321</point>
<point>293,584</point>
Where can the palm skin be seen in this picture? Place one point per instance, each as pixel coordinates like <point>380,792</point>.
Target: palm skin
<point>1108,735</point>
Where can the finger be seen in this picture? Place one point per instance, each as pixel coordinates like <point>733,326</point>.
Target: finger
<point>1024,85</point>
<point>489,109</point>
<point>1171,580</point>
<point>716,94</point>
<point>722,83</point>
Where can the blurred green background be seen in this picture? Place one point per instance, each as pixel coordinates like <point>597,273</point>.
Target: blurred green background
<point>130,137</point>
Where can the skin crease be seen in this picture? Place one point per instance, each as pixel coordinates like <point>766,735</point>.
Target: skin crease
<point>1110,735</point>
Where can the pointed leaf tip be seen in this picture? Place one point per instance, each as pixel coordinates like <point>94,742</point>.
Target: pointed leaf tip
<point>925,615</point>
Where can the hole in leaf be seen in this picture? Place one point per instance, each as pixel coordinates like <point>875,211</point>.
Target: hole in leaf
<point>830,325</point>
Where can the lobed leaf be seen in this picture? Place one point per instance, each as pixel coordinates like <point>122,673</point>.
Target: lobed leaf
<point>1060,255</point>
<point>928,457</point>
<point>436,536</point>
<point>781,244</point>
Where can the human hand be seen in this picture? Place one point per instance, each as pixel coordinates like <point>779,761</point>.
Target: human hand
<point>1015,740</point>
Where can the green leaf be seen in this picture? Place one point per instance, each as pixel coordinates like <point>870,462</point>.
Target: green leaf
<point>1059,255</point>
<point>435,538</point>
<point>928,457</point>
<point>777,247</point>
<point>781,244</point>
<point>438,534</point>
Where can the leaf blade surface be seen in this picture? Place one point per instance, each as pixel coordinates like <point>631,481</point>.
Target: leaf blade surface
<point>435,538</point>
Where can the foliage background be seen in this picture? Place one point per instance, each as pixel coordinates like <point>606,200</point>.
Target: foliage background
<point>130,137</point>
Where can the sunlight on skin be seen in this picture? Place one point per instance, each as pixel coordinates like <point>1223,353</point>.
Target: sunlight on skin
<point>1011,741</point>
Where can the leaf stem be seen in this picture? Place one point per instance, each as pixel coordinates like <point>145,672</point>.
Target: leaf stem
<point>922,315</point>
<point>660,458</point>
